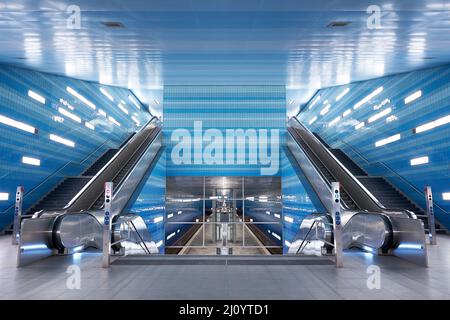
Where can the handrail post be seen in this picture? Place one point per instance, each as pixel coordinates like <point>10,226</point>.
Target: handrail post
<point>17,215</point>
<point>337,224</point>
<point>107,225</point>
<point>430,213</point>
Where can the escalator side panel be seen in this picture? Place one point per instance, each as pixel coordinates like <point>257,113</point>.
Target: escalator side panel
<point>90,193</point>
<point>359,194</point>
<point>126,190</point>
<point>319,185</point>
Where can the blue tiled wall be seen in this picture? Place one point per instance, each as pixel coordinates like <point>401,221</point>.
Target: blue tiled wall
<point>299,199</point>
<point>150,204</point>
<point>392,160</point>
<point>221,107</point>
<point>56,160</point>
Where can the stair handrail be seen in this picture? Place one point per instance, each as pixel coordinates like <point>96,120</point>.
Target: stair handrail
<point>300,248</point>
<point>27,194</point>
<point>132,226</point>
<point>391,170</point>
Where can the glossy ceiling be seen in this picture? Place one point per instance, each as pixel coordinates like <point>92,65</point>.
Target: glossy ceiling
<point>172,42</point>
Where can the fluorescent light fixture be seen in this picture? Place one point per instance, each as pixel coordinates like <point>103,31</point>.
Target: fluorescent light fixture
<point>366,99</point>
<point>276,215</point>
<point>446,196</point>
<point>159,243</point>
<point>334,121</point>
<point>122,108</point>
<point>158,219</point>
<point>391,118</point>
<point>379,115</point>
<point>32,161</point>
<point>325,110</point>
<point>17,124</point>
<point>114,121</point>
<point>169,215</point>
<point>420,160</point>
<point>4,196</point>
<point>179,212</point>
<point>132,99</point>
<point>268,213</point>
<point>416,95</point>
<point>69,115</point>
<point>276,235</point>
<point>347,112</point>
<point>287,243</point>
<point>312,120</point>
<point>36,96</point>
<point>288,219</point>
<point>433,124</point>
<point>89,125</point>
<point>81,98</point>
<point>106,94</point>
<point>325,102</point>
<point>410,246</point>
<point>102,113</point>
<point>359,125</point>
<point>391,139</point>
<point>339,97</point>
<point>62,140</point>
<point>314,102</point>
<point>171,235</point>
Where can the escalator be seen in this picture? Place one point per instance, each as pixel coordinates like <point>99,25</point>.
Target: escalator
<point>374,218</point>
<point>70,217</point>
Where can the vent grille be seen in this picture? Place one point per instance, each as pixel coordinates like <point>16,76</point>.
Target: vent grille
<point>113,24</point>
<point>335,24</point>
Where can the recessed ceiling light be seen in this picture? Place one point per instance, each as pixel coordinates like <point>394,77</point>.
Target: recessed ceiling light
<point>334,24</point>
<point>113,24</point>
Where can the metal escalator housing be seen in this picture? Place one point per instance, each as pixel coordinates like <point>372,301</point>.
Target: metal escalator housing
<point>359,194</point>
<point>89,194</point>
<point>49,233</point>
<point>379,230</point>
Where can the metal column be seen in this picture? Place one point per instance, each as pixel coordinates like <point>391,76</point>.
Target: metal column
<point>336,198</point>
<point>430,213</point>
<point>107,225</point>
<point>17,215</point>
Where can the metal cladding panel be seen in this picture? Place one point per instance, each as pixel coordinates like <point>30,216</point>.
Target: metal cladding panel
<point>299,199</point>
<point>388,141</point>
<point>150,204</point>
<point>42,101</point>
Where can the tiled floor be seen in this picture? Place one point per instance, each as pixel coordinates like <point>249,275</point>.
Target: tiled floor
<point>399,280</point>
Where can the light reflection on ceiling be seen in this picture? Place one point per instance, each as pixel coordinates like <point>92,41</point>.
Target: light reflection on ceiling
<point>173,42</point>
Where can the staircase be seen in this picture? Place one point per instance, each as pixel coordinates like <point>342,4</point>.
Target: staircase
<point>384,191</point>
<point>100,163</point>
<point>61,195</point>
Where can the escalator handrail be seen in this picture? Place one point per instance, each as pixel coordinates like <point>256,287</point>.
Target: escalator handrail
<point>346,171</point>
<point>78,195</point>
<point>147,142</point>
<point>319,173</point>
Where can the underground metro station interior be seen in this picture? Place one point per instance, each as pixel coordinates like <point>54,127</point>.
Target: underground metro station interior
<point>164,149</point>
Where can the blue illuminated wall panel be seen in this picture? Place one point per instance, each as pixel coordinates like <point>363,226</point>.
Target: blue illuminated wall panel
<point>221,107</point>
<point>150,203</point>
<point>177,215</point>
<point>393,116</point>
<point>299,199</point>
<point>56,160</point>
